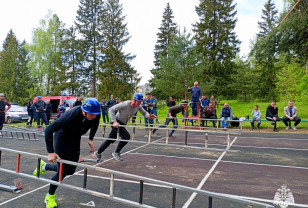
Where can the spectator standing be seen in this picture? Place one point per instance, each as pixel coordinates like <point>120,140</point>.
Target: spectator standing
<point>290,114</point>
<point>272,115</point>
<point>30,112</point>
<point>256,116</point>
<point>78,102</point>
<point>61,109</point>
<point>147,106</point>
<point>225,114</point>
<point>48,110</point>
<point>40,109</point>
<point>104,108</point>
<point>195,97</point>
<point>214,102</point>
<point>154,110</point>
<point>171,102</point>
<point>209,112</point>
<point>111,102</point>
<point>3,109</point>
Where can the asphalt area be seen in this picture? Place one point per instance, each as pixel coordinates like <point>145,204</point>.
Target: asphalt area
<point>264,162</point>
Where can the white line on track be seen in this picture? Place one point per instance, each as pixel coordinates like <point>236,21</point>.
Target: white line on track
<point>223,161</point>
<point>191,198</point>
<point>244,146</point>
<point>39,188</point>
<point>267,138</point>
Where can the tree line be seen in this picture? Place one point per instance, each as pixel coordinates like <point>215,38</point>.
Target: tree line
<point>275,69</point>
<point>85,59</point>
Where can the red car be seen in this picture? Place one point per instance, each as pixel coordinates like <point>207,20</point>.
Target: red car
<point>56,100</point>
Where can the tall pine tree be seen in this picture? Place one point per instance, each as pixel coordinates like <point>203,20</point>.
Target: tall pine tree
<point>217,41</point>
<point>167,31</point>
<point>88,23</point>
<point>118,77</point>
<point>264,51</point>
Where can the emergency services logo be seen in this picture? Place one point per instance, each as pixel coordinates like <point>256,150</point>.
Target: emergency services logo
<point>283,197</point>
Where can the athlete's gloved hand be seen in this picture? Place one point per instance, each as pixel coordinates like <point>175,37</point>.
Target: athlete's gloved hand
<point>52,157</point>
<point>90,142</point>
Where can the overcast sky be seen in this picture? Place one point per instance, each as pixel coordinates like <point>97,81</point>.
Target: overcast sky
<point>143,17</point>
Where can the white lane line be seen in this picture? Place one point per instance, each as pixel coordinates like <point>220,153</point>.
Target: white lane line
<point>256,147</point>
<point>122,180</point>
<point>191,198</point>
<point>25,194</point>
<point>266,138</point>
<point>223,161</point>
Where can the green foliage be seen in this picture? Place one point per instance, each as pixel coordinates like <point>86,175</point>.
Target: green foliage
<point>89,21</point>
<point>165,36</point>
<point>217,42</point>
<point>117,76</point>
<point>182,63</point>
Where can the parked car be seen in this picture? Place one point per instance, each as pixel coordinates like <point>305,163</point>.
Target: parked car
<point>16,114</point>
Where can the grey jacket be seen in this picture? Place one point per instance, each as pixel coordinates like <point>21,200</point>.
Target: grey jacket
<point>287,112</point>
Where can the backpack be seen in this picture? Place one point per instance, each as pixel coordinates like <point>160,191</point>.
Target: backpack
<point>235,123</point>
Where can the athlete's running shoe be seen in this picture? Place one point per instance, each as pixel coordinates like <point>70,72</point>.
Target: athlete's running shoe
<point>117,156</point>
<point>50,201</point>
<point>41,170</point>
<point>98,156</point>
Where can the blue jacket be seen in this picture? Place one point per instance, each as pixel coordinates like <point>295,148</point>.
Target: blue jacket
<point>41,106</point>
<point>104,106</point>
<point>154,102</point>
<point>195,92</point>
<point>61,108</point>
<point>226,112</point>
<point>147,108</point>
<point>111,103</point>
<point>205,102</point>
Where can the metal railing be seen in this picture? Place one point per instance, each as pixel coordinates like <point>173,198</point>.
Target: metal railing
<point>112,173</point>
<point>18,135</point>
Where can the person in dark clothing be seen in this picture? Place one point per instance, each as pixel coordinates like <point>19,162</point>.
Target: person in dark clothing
<point>78,102</point>
<point>3,110</point>
<point>172,111</point>
<point>63,138</point>
<point>195,97</point>
<point>126,110</point>
<point>272,115</point>
<point>40,109</point>
<point>171,102</point>
<point>30,111</point>
<point>111,102</point>
<point>209,112</point>
<point>148,106</point>
<point>104,109</point>
<point>225,114</point>
<point>48,110</point>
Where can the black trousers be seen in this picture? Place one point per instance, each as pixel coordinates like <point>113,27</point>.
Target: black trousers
<point>271,119</point>
<point>39,116</point>
<point>67,149</point>
<point>286,119</point>
<point>123,133</point>
<point>48,117</point>
<point>2,117</point>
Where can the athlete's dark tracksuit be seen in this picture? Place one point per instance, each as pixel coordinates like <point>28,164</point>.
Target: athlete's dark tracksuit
<point>68,130</point>
<point>41,107</point>
<point>3,103</point>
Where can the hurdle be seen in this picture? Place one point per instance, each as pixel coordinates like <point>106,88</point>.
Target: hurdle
<point>149,137</point>
<point>111,195</point>
<point>18,135</point>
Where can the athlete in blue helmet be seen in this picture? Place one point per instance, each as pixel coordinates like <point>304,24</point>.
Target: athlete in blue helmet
<point>125,110</point>
<point>65,144</point>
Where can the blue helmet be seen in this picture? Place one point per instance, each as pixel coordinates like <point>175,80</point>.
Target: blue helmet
<point>39,97</point>
<point>138,97</point>
<point>92,106</point>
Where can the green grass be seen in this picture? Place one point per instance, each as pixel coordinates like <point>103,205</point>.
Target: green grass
<point>240,109</point>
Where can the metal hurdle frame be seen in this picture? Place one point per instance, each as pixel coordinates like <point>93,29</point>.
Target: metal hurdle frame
<point>206,137</point>
<point>19,135</point>
<point>111,195</point>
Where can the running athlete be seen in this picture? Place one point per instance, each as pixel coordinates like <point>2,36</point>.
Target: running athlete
<point>126,110</point>
<point>65,144</point>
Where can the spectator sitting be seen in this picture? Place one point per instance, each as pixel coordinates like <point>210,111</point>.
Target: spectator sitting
<point>204,102</point>
<point>225,114</point>
<point>272,114</point>
<point>256,116</point>
<point>290,114</point>
<point>214,102</point>
<point>195,97</point>
<point>209,113</point>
